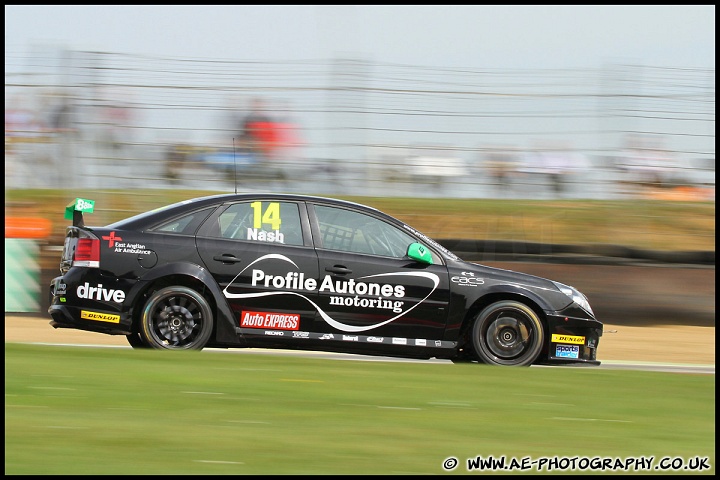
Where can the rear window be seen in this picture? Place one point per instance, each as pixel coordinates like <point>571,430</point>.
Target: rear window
<point>185,224</point>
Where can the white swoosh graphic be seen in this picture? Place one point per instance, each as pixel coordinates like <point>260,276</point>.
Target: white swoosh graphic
<point>331,321</point>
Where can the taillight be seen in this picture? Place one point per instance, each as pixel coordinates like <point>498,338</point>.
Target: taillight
<point>87,253</point>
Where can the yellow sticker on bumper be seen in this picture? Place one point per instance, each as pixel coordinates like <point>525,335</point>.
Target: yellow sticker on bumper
<point>100,317</point>
<point>557,338</point>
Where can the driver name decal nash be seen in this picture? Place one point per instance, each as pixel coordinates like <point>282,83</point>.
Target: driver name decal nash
<point>351,292</point>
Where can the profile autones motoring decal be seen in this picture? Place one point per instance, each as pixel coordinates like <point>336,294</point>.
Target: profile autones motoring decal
<point>386,296</point>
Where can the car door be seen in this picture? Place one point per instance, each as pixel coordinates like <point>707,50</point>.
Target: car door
<point>368,289</point>
<point>260,253</point>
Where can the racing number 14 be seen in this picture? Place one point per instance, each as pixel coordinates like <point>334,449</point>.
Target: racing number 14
<point>271,215</point>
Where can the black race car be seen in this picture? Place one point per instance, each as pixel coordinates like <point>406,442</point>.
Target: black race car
<point>305,272</point>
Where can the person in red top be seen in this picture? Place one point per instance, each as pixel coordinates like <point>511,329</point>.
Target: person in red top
<point>257,132</point>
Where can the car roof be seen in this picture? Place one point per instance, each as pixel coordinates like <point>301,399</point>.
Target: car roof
<point>150,217</point>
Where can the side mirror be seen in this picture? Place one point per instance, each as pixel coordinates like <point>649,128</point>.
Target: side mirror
<point>419,253</point>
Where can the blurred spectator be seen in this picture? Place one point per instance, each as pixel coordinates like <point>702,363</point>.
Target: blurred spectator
<point>553,163</point>
<point>62,121</point>
<point>176,159</point>
<point>28,147</point>
<point>644,162</point>
<point>257,131</point>
<point>270,139</point>
<point>500,163</point>
<point>286,139</point>
<point>556,164</point>
<point>115,119</point>
<point>22,123</point>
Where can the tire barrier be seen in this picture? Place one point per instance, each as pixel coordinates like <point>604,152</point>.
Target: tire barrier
<point>23,237</point>
<point>599,254</point>
<point>22,275</point>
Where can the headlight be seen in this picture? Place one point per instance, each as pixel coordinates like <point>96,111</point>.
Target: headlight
<point>576,296</point>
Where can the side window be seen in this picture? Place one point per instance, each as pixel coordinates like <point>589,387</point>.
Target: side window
<point>261,221</point>
<point>350,231</point>
<point>185,225</point>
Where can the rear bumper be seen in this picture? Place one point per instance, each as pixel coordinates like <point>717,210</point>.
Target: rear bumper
<point>93,317</point>
<point>65,317</point>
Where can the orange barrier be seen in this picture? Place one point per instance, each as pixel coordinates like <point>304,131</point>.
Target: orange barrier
<point>27,227</point>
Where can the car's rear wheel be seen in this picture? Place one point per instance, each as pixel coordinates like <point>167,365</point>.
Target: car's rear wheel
<point>508,333</point>
<point>176,318</point>
<point>135,340</point>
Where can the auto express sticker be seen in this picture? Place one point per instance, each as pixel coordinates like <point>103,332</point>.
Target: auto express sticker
<point>350,292</point>
<point>279,321</point>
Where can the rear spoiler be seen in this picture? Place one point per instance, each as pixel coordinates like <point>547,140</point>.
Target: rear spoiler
<point>75,209</point>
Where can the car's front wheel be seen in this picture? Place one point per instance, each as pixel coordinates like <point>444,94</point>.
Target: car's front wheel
<point>508,333</point>
<point>176,318</point>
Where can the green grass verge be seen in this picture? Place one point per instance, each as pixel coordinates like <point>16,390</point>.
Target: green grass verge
<point>646,224</point>
<point>86,410</point>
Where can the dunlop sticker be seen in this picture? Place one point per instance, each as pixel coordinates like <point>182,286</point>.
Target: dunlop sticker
<point>557,338</point>
<point>100,317</point>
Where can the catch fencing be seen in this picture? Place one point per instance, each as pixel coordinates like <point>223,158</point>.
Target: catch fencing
<point>103,120</point>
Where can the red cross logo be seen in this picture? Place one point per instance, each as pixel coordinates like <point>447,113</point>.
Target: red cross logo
<point>112,239</point>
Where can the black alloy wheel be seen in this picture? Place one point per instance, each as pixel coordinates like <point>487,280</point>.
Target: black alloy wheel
<point>176,318</point>
<point>508,333</point>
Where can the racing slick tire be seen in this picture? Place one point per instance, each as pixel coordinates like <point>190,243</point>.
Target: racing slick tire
<point>176,318</point>
<point>507,332</point>
<point>136,341</point>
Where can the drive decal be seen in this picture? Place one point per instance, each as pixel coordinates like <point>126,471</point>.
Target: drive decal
<point>350,292</point>
<point>278,321</point>
<point>557,338</point>
<point>100,293</point>
<point>100,317</point>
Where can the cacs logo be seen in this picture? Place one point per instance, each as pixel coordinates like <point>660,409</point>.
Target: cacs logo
<point>467,281</point>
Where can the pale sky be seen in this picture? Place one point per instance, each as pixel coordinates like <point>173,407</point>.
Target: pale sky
<point>474,36</point>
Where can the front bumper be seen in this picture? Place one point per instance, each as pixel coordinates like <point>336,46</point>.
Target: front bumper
<point>573,340</point>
